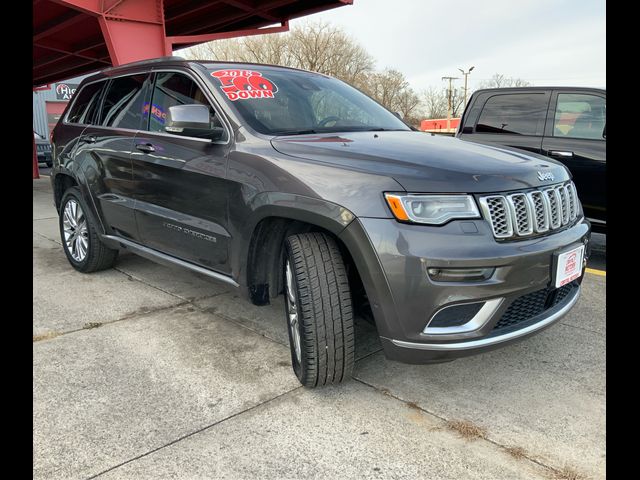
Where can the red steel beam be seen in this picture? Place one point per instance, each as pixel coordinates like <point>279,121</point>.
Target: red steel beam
<point>49,61</point>
<point>191,11</point>
<point>189,39</point>
<point>249,8</point>
<point>57,25</point>
<point>134,30</point>
<point>66,49</point>
<point>71,70</point>
<point>92,7</point>
<point>236,17</point>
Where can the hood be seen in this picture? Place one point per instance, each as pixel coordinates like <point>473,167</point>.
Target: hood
<point>422,162</point>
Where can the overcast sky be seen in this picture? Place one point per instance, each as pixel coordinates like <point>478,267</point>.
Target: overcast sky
<point>546,42</point>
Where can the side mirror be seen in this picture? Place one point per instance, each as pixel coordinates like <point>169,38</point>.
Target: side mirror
<point>193,121</point>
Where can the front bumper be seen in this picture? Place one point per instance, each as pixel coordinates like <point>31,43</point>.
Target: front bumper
<point>393,258</point>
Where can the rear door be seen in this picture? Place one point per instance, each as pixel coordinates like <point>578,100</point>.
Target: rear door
<point>576,136</point>
<point>180,181</point>
<point>514,119</point>
<point>104,152</point>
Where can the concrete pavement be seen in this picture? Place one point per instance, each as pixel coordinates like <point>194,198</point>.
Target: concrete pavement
<point>145,371</point>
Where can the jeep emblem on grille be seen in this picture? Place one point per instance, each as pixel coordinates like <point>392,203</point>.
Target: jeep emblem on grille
<point>542,176</point>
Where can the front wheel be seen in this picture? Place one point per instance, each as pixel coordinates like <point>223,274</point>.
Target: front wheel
<point>318,309</point>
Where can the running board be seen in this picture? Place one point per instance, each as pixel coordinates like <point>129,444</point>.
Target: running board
<point>165,259</point>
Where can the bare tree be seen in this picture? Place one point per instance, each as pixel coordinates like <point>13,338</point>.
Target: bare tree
<point>323,48</point>
<point>318,47</point>
<point>501,81</point>
<point>435,102</point>
<point>391,89</point>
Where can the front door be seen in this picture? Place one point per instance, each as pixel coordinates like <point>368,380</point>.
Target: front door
<point>181,191</point>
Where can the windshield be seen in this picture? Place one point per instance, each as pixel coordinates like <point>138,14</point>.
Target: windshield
<point>288,102</point>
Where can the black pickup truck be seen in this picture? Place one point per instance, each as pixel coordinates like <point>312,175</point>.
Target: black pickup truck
<point>564,123</point>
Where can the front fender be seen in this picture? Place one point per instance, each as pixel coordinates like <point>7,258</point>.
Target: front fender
<point>324,214</point>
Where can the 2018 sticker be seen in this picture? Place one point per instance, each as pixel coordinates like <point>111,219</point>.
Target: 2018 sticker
<point>245,84</point>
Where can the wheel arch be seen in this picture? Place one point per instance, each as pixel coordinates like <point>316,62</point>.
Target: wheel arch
<point>278,216</point>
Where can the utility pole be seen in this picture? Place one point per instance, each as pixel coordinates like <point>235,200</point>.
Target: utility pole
<point>449,93</point>
<point>465,84</point>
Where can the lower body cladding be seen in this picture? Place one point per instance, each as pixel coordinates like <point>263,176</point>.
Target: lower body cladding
<point>439,293</point>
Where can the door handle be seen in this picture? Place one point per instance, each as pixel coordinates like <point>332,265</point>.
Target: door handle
<point>146,147</point>
<point>90,139</point>
<point>560,154</point>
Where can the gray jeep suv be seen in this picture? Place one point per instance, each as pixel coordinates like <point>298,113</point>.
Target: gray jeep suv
<point>281,181</point>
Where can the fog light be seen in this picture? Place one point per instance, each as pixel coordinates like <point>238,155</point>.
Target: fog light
<point>455,315</point>
<point>462,318</point>
<point>459,274</point>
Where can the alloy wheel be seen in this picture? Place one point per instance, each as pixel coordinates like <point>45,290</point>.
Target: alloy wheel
<point>292,312</point>
<point>76,234</point>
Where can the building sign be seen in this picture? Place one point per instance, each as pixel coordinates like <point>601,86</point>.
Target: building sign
<point>64,91</point>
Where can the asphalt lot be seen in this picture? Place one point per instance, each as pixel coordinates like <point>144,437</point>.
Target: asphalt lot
<point>145,371</point>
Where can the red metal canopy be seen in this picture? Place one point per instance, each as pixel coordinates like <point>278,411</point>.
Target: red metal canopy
<point>74,37</point>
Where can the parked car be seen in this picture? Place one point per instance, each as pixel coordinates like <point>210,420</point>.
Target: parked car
<point>43,149</point>
<point>566,124</point>
<point>280,181</point>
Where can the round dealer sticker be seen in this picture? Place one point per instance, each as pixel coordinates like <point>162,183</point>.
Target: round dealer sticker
<point>245,84</point>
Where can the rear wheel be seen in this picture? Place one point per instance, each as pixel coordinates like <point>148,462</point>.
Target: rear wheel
<point>318,309</point>
<point>80,239</point>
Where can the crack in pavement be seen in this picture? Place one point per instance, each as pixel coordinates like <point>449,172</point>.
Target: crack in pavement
<point>582,328</point>
<point>413,405</point>
<point>195,432</point>
<point>52,335</point>
<point>47,238</point>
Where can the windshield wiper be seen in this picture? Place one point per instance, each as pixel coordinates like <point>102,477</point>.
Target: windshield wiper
<point>294,132</point>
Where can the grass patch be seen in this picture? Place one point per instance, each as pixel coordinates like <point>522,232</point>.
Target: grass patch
<point>566,473</point>
<point>516,452</point>
<point>466,429</point>
<point>45,336</point>
<point>90,325</point>
<point>413,405</point>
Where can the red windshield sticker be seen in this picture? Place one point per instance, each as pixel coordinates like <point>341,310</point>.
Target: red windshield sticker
<point>245,84</point>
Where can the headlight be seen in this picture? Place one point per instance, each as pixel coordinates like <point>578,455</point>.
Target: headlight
<point>431,209</point>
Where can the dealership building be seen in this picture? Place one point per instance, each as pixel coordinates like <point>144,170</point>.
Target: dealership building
<point>49,101</point>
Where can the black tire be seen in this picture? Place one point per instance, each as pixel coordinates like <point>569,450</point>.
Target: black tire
<point>323,304</point>
<point>98,255</point>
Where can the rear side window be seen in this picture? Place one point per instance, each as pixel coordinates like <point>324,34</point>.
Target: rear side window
<point>580,116</point>
<point>123,103</point>
<point>514,114</point>
<point>85,104</point>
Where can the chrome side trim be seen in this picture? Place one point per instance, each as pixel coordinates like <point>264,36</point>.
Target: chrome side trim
<point>486,342</point>
<point>168,259</point>
<point>477,322</point>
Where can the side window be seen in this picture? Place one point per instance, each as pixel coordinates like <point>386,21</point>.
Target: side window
<point>515,114</point>
<point>123,103</point>
<point>173,89</point>
<point>580,116</point>
<point>85,103</point>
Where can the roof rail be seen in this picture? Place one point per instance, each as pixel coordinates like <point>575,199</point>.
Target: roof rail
<point>146,62</point>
